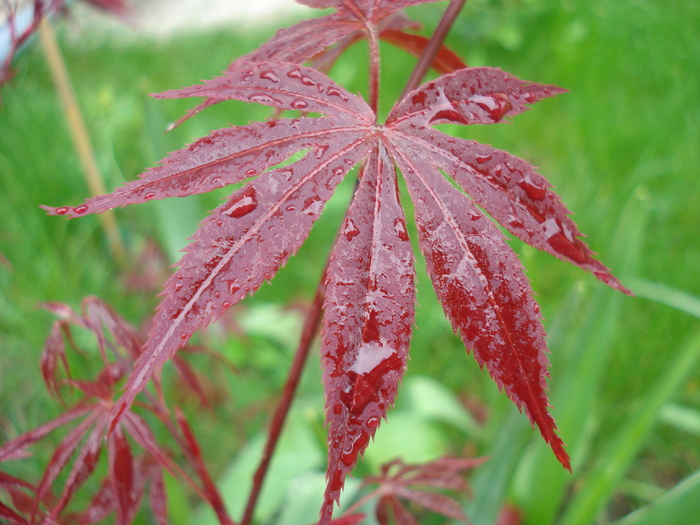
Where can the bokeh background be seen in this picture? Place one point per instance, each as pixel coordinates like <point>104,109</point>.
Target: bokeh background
<point>622,148</point>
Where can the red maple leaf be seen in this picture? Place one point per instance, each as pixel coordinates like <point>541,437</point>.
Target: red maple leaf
<point>323,40</point>
<point>370,282</point>
<point>128,475</point>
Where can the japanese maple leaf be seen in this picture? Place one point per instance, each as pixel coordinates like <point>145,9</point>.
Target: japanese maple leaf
<point>124,485</point>
<point>416,483</point>
<point>369,304</point>
<point>322,40</point>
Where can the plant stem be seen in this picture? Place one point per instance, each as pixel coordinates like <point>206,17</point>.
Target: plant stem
<point>311,325</point>
<point>433,47</point>
<point>374,67</point>
<point>78,131</point>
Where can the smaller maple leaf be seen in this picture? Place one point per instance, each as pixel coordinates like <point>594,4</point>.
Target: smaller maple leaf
<point>128,475</point>
<point>321,41</point>
<point>420,484</point>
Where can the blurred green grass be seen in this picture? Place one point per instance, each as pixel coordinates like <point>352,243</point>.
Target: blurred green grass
<point>621,148</point>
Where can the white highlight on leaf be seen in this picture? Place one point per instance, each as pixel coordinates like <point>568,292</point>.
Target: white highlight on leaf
<point>370,356</point>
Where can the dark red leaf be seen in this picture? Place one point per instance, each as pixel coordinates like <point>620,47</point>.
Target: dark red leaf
<point>54,354</point>
<point>483,291</point>
<point>390,505</point>
<point>433,501</point>
<point>159,499</point>
<point>477,95</point>
<point>17,447</point>
<point>84,465</point>
<point>9,514</point>
<point>194,455</point>
<point>322,40</point>
<point>512,192</point>
<point>445,62</point>
<point>369,314</point>
<point>121,473</point>
<point>102,505</point>
<point>370,289</point>
<point>138,429</point>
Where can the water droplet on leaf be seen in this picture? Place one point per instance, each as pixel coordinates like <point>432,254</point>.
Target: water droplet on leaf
<point>242,204</point>
<point>400,229</point>
<point>337,93</point>
<point>496,105</point>
<point>299,104</point>
<point>61,211</point>
<point>269,75</point>
<point>350,230</point>
<point>320,150</point>
<point>312,206</point>
<point>81,209</point>
<point>535,192</point>
<point>262,98</point>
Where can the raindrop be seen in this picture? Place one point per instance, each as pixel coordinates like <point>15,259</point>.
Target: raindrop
<point>530,98</point>
<point>474,215</point>
<point>250,172</point>
<point>149,195</point>
<point>349,162</point>
<point>400,229</point>
<point>299,104</point>
<point>178,287</point>
<point>334,91</point>
<point>338,171</point>
<point>269,75</point>
<point>483,158</point>
<point>336,483</point>
<point>350,230</point>
<point>320,150</point>
<point>61,211</point>
<point>515,222</point>
<point>294,73</point>
<point>533,191</point>
<point>81,209</point>
<point>287,173</point>
<point>373,422</point>
<point>183,336</point>
<point>241,204</point>
<point>358,444</point>
<point>307,81</point>
<point>226,304</point>
<point>216,181</point>
<point>233,288</point>
<point>312,206</point>
<point>496,104</point>
<point>262,98</point>
<point>219,223</point>
<point>291,207</point>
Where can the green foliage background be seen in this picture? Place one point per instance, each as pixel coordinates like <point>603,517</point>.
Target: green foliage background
<point>622,150</point>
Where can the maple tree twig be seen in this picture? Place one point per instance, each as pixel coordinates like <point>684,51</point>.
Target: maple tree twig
<point>309,331</point>
<point>433,47</point>
<point>374,67</point>
<point>78,131</point>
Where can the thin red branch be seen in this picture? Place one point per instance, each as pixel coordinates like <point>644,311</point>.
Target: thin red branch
<point>311,326</point>
<point>433,47</point>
